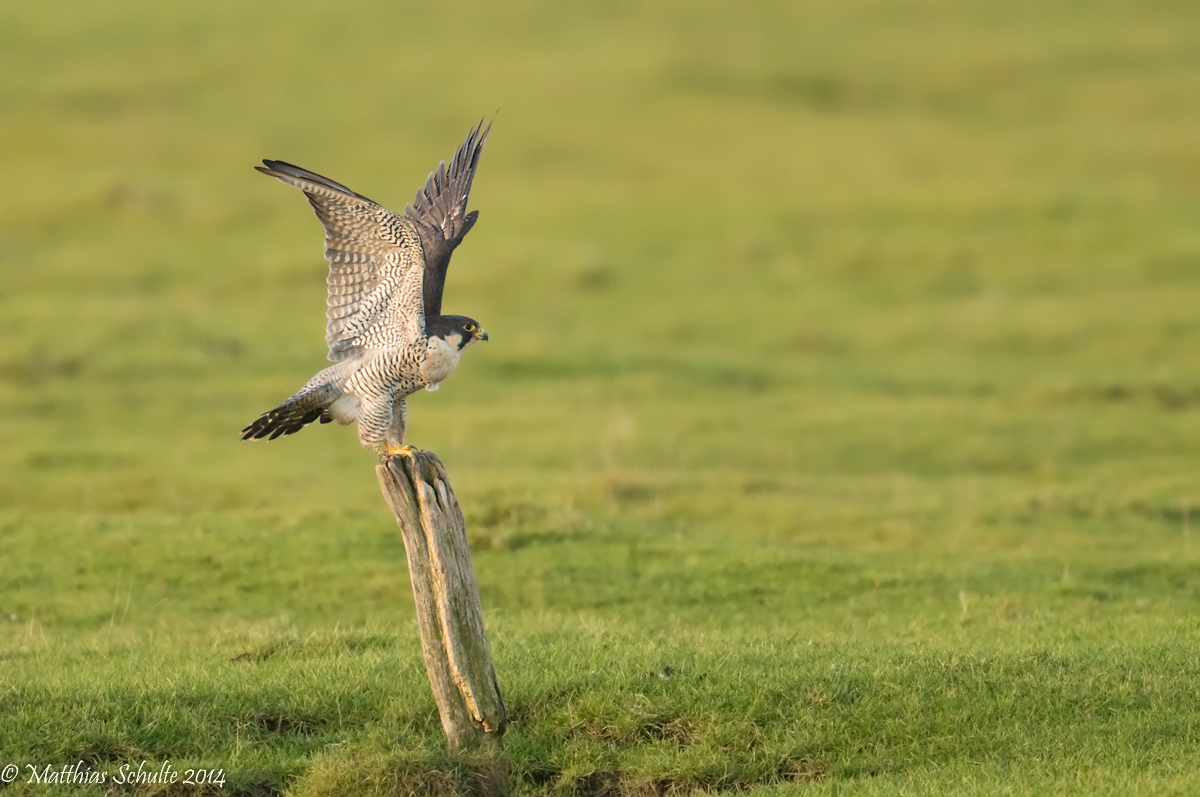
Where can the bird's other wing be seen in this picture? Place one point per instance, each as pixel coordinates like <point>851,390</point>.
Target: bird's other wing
<point>376,269</point>
<point>440,213</point>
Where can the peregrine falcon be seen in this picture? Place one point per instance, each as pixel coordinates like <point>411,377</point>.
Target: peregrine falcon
<point>386,332</point>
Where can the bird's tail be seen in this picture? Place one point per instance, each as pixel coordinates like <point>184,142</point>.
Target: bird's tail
<point>312,403</point>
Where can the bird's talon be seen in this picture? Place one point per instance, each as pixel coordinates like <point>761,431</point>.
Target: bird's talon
<point>406,450</point>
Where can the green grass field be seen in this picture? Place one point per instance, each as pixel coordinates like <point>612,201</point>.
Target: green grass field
<point>838,433</point>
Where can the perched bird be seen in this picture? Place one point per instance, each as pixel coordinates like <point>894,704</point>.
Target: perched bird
<point>386,332</point>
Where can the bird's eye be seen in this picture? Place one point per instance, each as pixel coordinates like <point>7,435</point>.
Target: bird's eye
<point>469,327</point>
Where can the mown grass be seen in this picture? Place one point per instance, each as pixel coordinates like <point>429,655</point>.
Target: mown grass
<point>837,433</point>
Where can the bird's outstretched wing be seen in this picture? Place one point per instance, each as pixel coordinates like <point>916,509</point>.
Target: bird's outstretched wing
<point>440,214</point>
<point>376,268</point>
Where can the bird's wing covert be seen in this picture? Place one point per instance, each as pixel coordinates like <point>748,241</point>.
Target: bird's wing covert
<point>440,213</point>
<point>376,267</point>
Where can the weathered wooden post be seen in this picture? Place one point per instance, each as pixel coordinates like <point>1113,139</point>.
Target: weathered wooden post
<point>449,614</point>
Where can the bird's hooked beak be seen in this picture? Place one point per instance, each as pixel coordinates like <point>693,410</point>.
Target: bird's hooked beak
<point>481,335</point>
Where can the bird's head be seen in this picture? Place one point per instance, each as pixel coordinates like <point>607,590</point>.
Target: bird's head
<point>457,330</point>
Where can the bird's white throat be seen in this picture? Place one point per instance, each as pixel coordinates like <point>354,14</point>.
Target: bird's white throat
<point>441,357</point>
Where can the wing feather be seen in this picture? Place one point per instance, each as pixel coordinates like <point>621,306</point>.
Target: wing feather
<point>376,266</point>
<point>440,213</point>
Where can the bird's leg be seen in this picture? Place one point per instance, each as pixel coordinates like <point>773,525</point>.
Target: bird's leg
<point>394,439</point>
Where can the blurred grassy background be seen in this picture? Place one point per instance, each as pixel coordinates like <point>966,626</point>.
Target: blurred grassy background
<point>852,321</point>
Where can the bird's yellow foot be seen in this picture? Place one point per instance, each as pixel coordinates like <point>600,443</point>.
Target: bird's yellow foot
<point>405,449</point>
